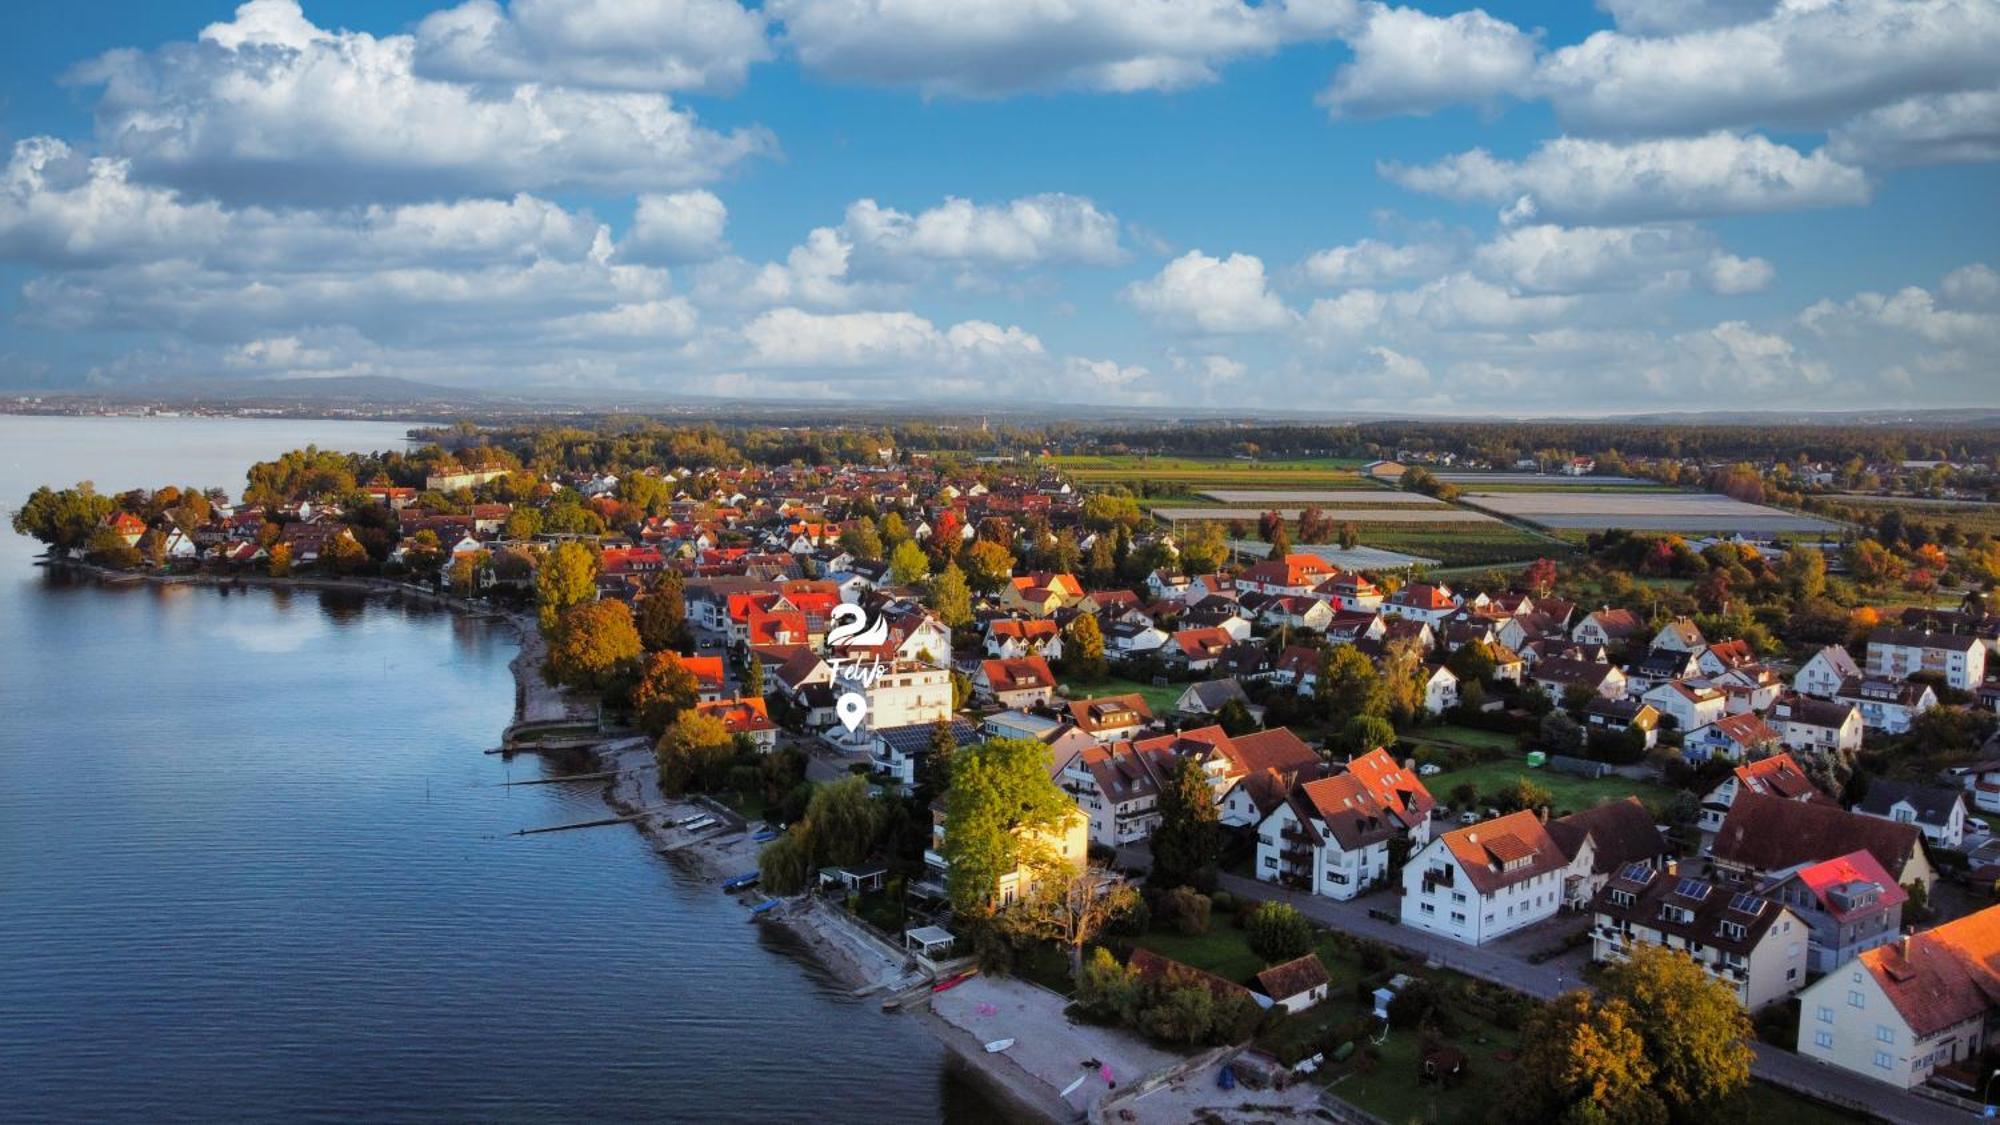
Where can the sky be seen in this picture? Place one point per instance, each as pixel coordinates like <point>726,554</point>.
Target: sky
<point>1294,205</point>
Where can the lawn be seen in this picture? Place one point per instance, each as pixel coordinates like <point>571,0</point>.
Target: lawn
<point>1160,699</point>
<point>1391,1091</point>
<point>1452,735</point>
<point>1571,793</point>
<point>1197,472</point>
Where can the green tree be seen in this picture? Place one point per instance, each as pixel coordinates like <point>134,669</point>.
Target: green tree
<point>1083,649</point>
<point>895,531</point>
<point>846,822</point>
<point>667,688</point>
<point>1277,932</point>
<point>594,645</point>
<point>1471,662</point>
<point>568,578</point>
<point>522,524</point>
<point>1349,685</point>
<point>1205,550</point>
<point>465,570</point>
<point>1363,733</point>
<point>753,678</point>
<point>344,554</point>
<point>934,769</point>
<point>1188,840</point>
<point>988,565</point>
<point>106,547</point>
<point>1350,536</point>
<point>663,615</point>
<point>425,554</point>
<point>908,565</point>
<point>1695,1032</point>
<point>1000,813</point>
<point>950,598</point>
<point>692,752</point>
<point>63,520</point>
<point>861,540</point>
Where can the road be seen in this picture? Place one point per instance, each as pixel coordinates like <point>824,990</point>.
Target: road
<point>1504,962</point>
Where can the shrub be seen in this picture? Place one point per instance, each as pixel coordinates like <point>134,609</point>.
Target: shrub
<point>1188,908</point>
<point>1278,932</point>
<point>1223,902</point>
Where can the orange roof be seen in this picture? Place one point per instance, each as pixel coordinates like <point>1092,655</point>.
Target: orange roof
<point>1505,850</point>
<point>1017,675</point>
<point>707,669</point>
<point>1777,775</point>
<point>744,715</point>
<point>1398,789</point>
<point>1943,976</point>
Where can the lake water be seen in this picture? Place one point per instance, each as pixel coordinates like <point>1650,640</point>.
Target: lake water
<point>254,866</point>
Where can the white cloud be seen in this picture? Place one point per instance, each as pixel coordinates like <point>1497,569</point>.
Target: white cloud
<point>1103,372</point>
<point>1406,61</point>
<point>1373,262</point>
<point>620,44</point>
<point>1911,309</point>
<point>1807,64</point>
<point>57,209</point>
<point>983,48</point>
<point>684,226</point>
<point>270,107</point>
<point>1461,300</point>
<point>1976,285</point>
<point>791,337</point>
<point>1032,230</point>
<point>669,318</point>
<point>1198,294</point>
<point>1665,17</point>
<point>1955,128</point>
<point>1573,179</point>
<point>1552,259</point>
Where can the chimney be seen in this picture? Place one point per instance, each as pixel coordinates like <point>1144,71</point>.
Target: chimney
<point>1673,867</point>
<point>1903,944</point>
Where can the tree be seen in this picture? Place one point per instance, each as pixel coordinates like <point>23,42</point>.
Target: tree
<point>1083,649</point>
<point>64,520</point>
<point>691,752</point>
<point>464,574</point>
<point>861,540</point>
<point>1205,550</point>
<point>568,578</point>
<point>1189,837</point>
<point>425,554</point>
<point>908,565</point>
<point>1363,733</point>
<point>1582,1062</point>
<point>934,769</point>
<point>1000,813</point>
<point>666,689</point>
<point>1277,932</point>
<point>278,560</point>
<point>1071,910</point>
<point>1561,734</point>
<point>1694,1030</point>
<point>895,530</point>
<point>1105,510</point>
<point>593,645</point>
<point>1281,543</point>
<point>844,821</point>
<point>663,616</point>
<point>522,524</point>
<point>1107,990</point>
<point>753,678</point>
<point>1235,718</point>
<point>345,554</point>
<point>988,565</point>
<point>1350,536</point>
<point>1349,685</point>
<point>1471,662</point>
<point>949,597</point>
<point>106,547</point>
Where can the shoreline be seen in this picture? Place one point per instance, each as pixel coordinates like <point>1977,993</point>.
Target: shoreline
<point>857,962</point>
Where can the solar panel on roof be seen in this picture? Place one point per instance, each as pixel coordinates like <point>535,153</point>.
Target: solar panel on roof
<point>1637,872</point>
<point>1691,888</point>
<point>1747,904</point>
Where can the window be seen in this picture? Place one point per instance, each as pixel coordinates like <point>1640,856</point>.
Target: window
<point>1855,1000</point>
<point>1884,1034</point>
<point>1823,1039</point>
<point>1883,1060</point>
<point>1428,908</point>
<point>1825,1014</point>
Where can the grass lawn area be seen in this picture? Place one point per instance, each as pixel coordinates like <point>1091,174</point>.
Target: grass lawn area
<point>1462,736</point>
<point>1160,699</point>
<point>1391,1090</point>
<point>1222,950</point>
<point>1570,793</point>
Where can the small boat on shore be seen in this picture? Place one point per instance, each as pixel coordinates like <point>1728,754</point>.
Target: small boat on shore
<point>951,982</point>
<point>740,882</point>
<point>763,908</point>
<point>998,1045</point>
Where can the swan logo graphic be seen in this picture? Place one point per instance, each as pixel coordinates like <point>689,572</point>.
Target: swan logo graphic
<point>855,627</point>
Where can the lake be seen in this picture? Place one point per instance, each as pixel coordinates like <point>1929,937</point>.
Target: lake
<point>254,866</point>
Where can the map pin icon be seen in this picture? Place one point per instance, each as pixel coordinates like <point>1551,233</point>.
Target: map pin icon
<point>851,707</point>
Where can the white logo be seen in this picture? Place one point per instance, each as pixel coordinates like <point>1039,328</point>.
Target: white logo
<point>855,627</point>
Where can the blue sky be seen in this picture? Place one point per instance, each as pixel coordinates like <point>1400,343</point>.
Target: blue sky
<point>1324,205</point>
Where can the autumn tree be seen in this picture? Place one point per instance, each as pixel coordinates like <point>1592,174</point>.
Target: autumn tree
<point>425,553</point>
<point>1000,813</point>
<point>594,645</point>
<point>753,678</point>
<point>1205,550</point>
<point>1083,649</point>
<point>344,554</point>
<point>1539,579</point>
<point>861,540</point>
<point>568,578</point>
<point>1071,909</point>
<point>106,547</point>
<point>1350,536</point>
<point>1582,1062</point>
<point>1694,1030</point>
<point>465,570</point>
<point>692,752</point>
<point>278,560</point>
<point>950,598</point>
<point>908,565</point>
<point>1189,837</point>
<point>663,615</point>
<point>988,565</point>
<point>65,519</point>
<point>665,689</point>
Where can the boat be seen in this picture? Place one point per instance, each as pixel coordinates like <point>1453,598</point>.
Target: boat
<point>998,1045</point>
<point>765,836</point>
<point>1071,1088</point>
<point>764,907</point>
<point>741,882</point>
<point>951,982</point>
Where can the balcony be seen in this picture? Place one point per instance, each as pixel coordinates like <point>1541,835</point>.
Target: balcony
<point>935,861</point>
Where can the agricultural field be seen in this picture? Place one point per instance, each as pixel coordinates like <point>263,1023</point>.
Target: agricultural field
<point>1338,515</point>
<point>1969,516</point>
<point>1366,497</point>
<point>1196,473</point>
<point>1541,482</point>
<point>1645,511</point>
<point>1360,558</point>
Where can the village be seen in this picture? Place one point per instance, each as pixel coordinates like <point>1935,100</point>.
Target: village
<point>1247,821</point>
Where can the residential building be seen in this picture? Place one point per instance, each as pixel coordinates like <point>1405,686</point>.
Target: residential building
<point>1889,706</point>
<point>1601,841</point>
<point>1297,984</point>
<point>1849,905</point>
<point>1738,738</point>
<point>1067,846</point>
<point>1296,573</point>
<point>745,715</point>
<point>1776,776</point>
<point>1898,654</point>
<point>1478,883</point>
<point>1900,1012</point>
<point>1764,836</point>
<point>1331,836</point>
<point>1556,677</point>
<point>1817,726</point>
<point>1015,683</point>
<point>1691,706</point>
<point>1822,674</point>
<point>1427,602</point>
<point>1937,811</point>
<point>1680,635</point>
<point>1608,627</point>
<point>1754,946</point>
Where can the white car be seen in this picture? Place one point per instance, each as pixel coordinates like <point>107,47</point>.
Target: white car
<point>1429,769</point>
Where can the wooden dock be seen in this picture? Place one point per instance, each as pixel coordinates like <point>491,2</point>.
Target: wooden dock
<point>625,819</point>
<point>600,775</point>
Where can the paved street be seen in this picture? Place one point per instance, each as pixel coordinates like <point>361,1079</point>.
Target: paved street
<point>1505,962</point>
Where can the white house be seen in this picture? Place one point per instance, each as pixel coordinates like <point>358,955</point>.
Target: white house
<point>1440,689</point>
<point>1691,706</point>
<point>1887,705</point>
<point>1820,726</point>
<point>1475,884</point>
<point>1822,675</point>
<point>1898,654</point>
<point>1937,811</point>
<point>1898,1013</point>
<point>1776,776</point>
<point>1755,947</point>
<point>1331,836</point>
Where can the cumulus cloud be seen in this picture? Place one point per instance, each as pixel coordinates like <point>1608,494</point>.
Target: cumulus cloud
<point>1958,128</point>
<point>1552,259</point>
<point>1373,262</point>
<point>1198,294</point>
<point>980,48</point>
<point>684,226</point>
<point>1574,179</point>
<point>790,337</point>
<point>1032,230</point>
<point>1665,17</point>
<point>1916,311</point>
<point>620,44</point>
<point>1729,275</point>
<point>270,107</point>
<point>1407,61</point>
<point>1804,64</point>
